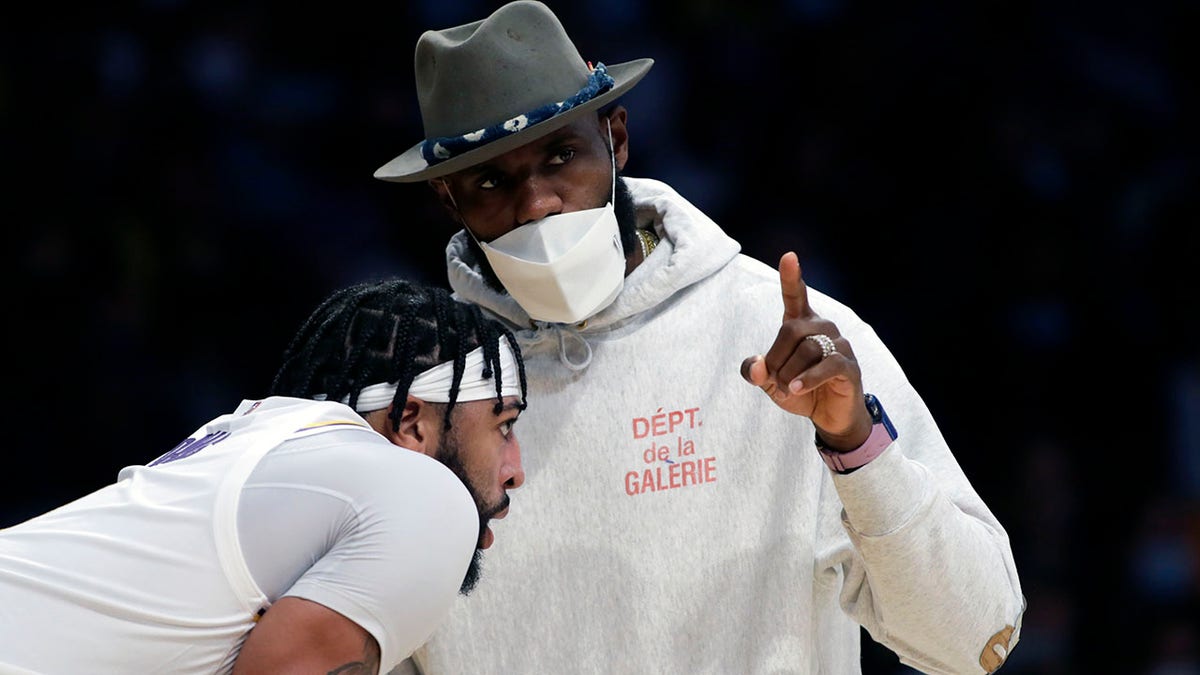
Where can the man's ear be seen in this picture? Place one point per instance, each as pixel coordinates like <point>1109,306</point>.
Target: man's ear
<point>620,134</point>
<point>442,191</point>
<point>419,430</point>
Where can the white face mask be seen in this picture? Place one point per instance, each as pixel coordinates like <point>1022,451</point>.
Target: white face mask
<point>563,268</point>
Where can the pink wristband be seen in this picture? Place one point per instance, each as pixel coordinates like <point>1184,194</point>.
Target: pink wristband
<point>882,435</point>
<point>876,443</point>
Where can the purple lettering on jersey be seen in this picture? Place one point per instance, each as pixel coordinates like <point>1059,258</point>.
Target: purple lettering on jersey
<point>190,447</point>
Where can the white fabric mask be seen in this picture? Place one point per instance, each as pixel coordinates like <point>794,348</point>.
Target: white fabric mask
<point>565,267</point>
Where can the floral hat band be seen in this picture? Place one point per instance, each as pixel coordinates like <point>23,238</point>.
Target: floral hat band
<point>440,149</point>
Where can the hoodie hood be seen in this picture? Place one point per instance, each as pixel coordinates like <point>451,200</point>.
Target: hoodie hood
<point>692,247</point>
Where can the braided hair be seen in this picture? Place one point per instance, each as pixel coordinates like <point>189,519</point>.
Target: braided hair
<point>389,331</point>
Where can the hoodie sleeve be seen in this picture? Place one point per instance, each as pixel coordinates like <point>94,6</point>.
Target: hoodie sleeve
<point>931,575</point>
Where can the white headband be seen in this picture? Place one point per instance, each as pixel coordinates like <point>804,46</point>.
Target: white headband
<point>433,385</point>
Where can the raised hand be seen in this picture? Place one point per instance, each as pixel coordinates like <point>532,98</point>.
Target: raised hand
<point>800,378</point>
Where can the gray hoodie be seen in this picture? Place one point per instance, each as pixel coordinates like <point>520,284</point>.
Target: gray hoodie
<point>674,520</point>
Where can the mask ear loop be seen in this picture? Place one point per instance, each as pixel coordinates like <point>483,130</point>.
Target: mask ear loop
<point>450,195</point>
<point>460,215</point>
<point>612,155</point>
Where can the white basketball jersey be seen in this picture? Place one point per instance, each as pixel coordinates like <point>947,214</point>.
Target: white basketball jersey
<point>148,571</point>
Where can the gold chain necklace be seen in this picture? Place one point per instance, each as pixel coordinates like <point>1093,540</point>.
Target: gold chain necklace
<point>649,240</point>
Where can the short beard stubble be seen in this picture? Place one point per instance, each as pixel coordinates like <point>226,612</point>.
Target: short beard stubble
<point>448,453</point>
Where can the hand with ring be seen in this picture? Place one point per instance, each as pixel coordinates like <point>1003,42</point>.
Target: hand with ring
<point>810,370</point>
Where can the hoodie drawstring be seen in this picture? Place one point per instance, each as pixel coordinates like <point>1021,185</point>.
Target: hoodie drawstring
<point>566,333</point>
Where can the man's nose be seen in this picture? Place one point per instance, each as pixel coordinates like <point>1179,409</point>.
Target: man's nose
<point>536,199</point>
<point>516,472</point>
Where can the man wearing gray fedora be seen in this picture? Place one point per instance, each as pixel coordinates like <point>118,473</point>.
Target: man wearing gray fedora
<point>681,517</point>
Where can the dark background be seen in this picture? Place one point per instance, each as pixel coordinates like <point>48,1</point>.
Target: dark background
<point>1006,191</point>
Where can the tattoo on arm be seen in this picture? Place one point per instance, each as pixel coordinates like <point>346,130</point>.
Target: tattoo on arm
<point>369,665</point>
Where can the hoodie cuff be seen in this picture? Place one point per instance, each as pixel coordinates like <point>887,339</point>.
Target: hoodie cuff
<point>882,496</point>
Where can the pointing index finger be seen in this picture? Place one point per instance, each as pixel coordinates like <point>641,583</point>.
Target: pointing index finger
<point>795,293</point>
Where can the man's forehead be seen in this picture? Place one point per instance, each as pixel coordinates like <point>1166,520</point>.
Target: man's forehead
<point>487,405</point>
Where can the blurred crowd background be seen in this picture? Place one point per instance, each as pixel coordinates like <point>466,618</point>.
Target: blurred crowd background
<point>1005,191</point>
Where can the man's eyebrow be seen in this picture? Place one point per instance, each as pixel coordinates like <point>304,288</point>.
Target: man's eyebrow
<point>515,405</point>
<point>556,138</point>
<point>478,169</point>
<point>567,133</point>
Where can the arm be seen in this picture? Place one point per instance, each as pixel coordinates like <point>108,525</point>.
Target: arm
<point>930,574</point>
<point>299,636</point>
<point>401,538</point>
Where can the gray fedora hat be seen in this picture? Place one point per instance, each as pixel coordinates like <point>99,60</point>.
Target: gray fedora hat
<point>489,86</point>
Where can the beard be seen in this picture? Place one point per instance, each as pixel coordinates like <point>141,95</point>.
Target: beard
<point>448,453</point>
<point>626,215</point>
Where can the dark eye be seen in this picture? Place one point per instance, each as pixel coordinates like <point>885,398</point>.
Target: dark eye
<point>489,181</point>
<point>507,427</point>
<point>562,156</point>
